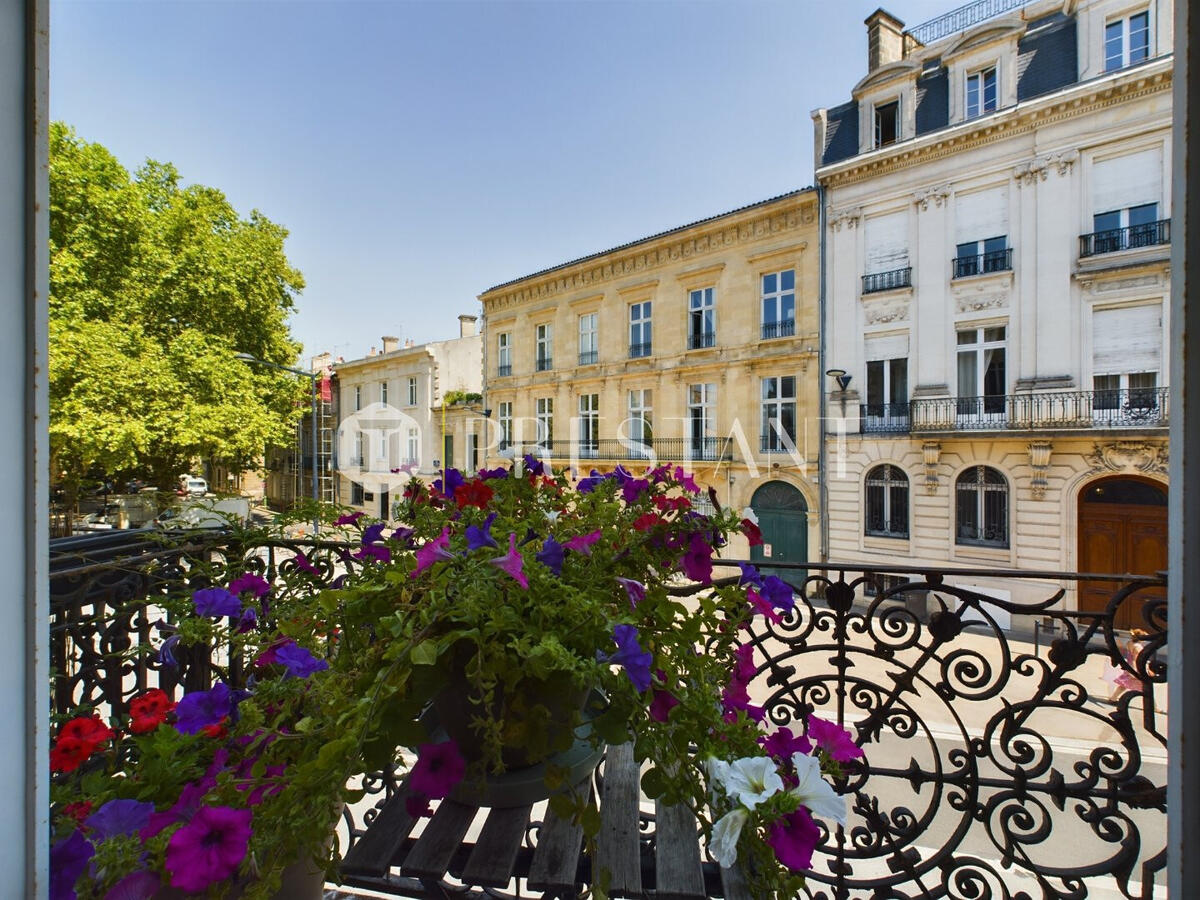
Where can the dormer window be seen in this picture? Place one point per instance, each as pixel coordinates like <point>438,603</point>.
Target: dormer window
<point>887,123</point>
<point>1126,41</point>
<point>981,92</point>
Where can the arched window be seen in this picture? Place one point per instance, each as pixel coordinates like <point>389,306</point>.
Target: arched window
<point>981,508</point>
<point>887,502</point>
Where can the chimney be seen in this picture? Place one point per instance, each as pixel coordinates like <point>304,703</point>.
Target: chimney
<point>466,326</point>
<point>885,39</point>
<point>390,343</point>
<point>371,353</point>
<point>409,343</point>
<point>320,362</point>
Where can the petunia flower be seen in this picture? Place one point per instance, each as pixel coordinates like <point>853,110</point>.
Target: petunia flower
<point>473,493</point>
<point>148,710</point>
<point>631,656</point>
<point>189,800</point>
<point>304,564</point>
<point>589,484</point>
<point>782,744</point>
<point>488,474</point>
<point>438,770</point>
<point>533,465</point>
<point>135,886</point>
<point>686,481</point>
<point>298,661</point>
<point>417,806</point>
<point>833,739</point>
<point>752,532</point>
<point>255,584</point>
<point>662,704</point>
<point>349,518</point>
<point>632,488</point>
<point>551,556</point>
<point>646,521</point>
<point>697,562</point>
<point>433,551</point>
<point>481,535</point>
<point>582,543</point>
<point>377,552</point>
<point>793,838</point>
<point>216,602</point>
<point>635,590</point>
<point>751,780</point>
<point>200,709</point>
<point>512,563</point>
<point>761,606</point>
<point>778,593</point>
<point>69,753</point>
<point>725,833</point>
<point>118,817</point>
<point>79,810</point>
<point>373,533</point>
<point>815,792</point>
<point>454,480</point>
<point>750,575</point>
<point>403,534</point>
<point>68,860</point>
<point>166,652</point>
<point>87,728</point>
<point>209,848</point>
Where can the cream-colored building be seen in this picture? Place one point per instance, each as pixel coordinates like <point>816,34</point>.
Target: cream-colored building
<point>390,423</point>
<point>697,346</point>
<point>997,247</point>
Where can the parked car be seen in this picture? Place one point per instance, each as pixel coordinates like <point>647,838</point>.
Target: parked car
<point>207,512</point>
<point>192,486</point>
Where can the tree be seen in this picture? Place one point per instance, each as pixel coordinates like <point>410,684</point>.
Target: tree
<point>153,289</point>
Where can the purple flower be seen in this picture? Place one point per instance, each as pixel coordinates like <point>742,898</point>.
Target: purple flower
<point>632,488</point>
<point>662,704</point>
<point>432,551</point>
<point>439,768</point>
<point>185,807</point>
<point>68,859</point>
<point>304,564</point>
<point>589,484</point>
<point>166,652</point>
<point>551,556</point>
<point>249,582</point>
<point>248,620</point>
<point>630,655</point>
<point>635,590</point>
<point>762,606</point>
<point>454,480</point>
<point>199,709</point>
<point>373,533</point>
<point>582,543</point>
<point>216,602</point>
<point>117,817</point>
<point>481,535</point>
<point>209,848</point>
<point>512,563</point>
<point>793,838</point>
<point>778,593</point>
<point>377,552</point>
<point>833,739</point>
<point>298,661</point>
<point>403,535</point>
<point>750,575</point>
<point>533,465</point>
<point>782,744</point>
<point>686,481</point>
<point>136,886</point>
<point>349,518</point>
<point>485,474</point>
<point>697,562</point>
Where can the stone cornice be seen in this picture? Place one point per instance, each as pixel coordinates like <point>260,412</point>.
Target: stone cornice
<point>1078,100</point>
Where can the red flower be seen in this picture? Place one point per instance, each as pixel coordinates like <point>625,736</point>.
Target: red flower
<point>218,730</point>
<point>752,532</point>
<point>87,728</point>
<point>647,521</point>
<point>149,710</point>
<point>79,810</point>
<point>671,503</point>
<point>473,493</point>
<point>69,753</point>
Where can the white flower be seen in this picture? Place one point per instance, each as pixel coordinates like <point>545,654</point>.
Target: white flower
<point>718,769</point>
<point>748,513</point>
<point>752,780</point>
<point>552,515</point>
<point>815,792</point>
<point>725,834</point>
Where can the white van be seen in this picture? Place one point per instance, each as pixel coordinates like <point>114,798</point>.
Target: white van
<point>192,485</point>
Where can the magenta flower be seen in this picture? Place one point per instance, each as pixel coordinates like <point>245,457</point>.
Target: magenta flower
<point>439,769</point>
<point>635,590</point>
<point>686,481</point>
<point>209,848</point>
<point>512,563</point>
<point>349,518</point>
<point>199,709</point>
<point>582,543</point>
<point>377,552</point>
<point>762,606</point>
<point>697,562</point>
<point>298,661</point>
<point>256,584</point>
<point>662,704</point>
<point>778,593</point>
<point>630,655</point>
<point>793,838</point>
<point>432,551</point>
<point>632,488</point>
<point>185,807</point>
<point>481,535</point>
<point>417,806</point>
<point>782,744</point>
<point>552,556</point>
<point>248,620</point>
<point>216,602</point>
<point>68,859</point>
<point>750,575</point>
<point>833,739</point>
<point>304,564</point>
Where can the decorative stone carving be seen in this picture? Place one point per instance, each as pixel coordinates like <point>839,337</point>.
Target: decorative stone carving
<point>1125,456</point>
<point>848,217</point>
<point>979,303</point>
<point>1039,460</point>
<point>883,313</point>
<point>1028,173</point>
<point>939,194</point>
<point>932,451</point>
<point>1064,161</point>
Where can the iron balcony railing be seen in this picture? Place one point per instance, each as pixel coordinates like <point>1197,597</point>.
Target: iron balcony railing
<point>588,357</point>
<point>882,418</point>
<point>654,449</point>
<point>982,263</point>
<point>887,281</point>
<point>1125,408</point>
<point>776,443</point>
<point>1149,234</point>
<point>544,363</point>
<point>503,371</point>
<point>701,340</point>
<point>964,17</point>
<point>781,328</point>
<point>637,351</point>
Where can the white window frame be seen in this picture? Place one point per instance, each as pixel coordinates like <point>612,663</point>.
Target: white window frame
<point>589,344</point>
<point>589,424</point>
<point>412,391</point>
<point>504,419</point>
<point>358,449</point>
<point>544,413</point>
<point>874,123</point>
<point>641,317</point>
<point>771,420</point>
<point>892,410</point>
<point>543,346</point>
<point>702,308</point>
<point>981,108</point>
<point>504,352</point>
<point>995,409</point>
<point>888,477</point>
<point>1125,22</point>
<point>413,456</point>
<point>777,297</point>
<point>701,406</point>
<point>641,415</point>
<point>383,392</point>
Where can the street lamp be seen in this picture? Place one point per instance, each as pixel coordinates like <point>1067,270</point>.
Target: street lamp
<point>252,360</point>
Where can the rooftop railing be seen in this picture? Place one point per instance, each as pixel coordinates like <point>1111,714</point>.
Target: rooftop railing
<point>962,18</point>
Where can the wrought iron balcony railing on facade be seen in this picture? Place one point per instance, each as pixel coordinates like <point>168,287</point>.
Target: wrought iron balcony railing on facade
<point>503,371</point>
<point>589,357</point>
<point>882,418</point>
<point>781,328</point>
<point>1125,408</point>
<point>651,450</point>
<point>887,281</point>
<point>982,263</point>
<point>774,442</point>
<point>986,755</point>
<point>638,351</point>
<point>543,364</point>
<point>1131,237</point>
<point>702,340</point>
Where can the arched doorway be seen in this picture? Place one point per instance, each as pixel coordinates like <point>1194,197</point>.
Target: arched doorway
<point>1122,530</point>
<point>783,519</point>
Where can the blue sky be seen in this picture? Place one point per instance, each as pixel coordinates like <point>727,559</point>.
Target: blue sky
<point>421,152</point>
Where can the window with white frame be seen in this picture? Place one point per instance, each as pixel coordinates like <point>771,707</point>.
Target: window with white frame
<point>357,497</point>
<point>1126,192</point>
<point>981,229</point>
<point>504,417</point>
<point>412,452</point>
<point>778,413</point>
<point>412,391</point>
<point>701,412</point>
<point>982,378</point>
<point>886,242</point>
<point>981,508</point>
<point>779,304</point>
<point>358,449</point>
<point>640,337</point>
<point>544,409</point>
<point>887,122</point>
<point>473,452</point>
<point>887,382</point>
<point>589,346</point>
<point>383,394</point>
<point>1126,41</point>
<point>887,502</point>
<point>702,318</point>
<point>357,399</point>
<point>589,423</point>
<point>981,92</point>
<point>544,339</point>
<point>1126,362</point>
<point>504,353</point>
<point>641,410</point>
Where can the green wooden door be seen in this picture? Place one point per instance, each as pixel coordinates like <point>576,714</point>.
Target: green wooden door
<point>783,518</point>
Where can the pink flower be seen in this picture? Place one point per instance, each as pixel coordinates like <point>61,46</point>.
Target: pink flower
<point>304,564</point>
<point>662,704</point>
<point>209,848</point>
<point>635,590</point>
<point>582,543</point>
<point>782,744</point>
<point>686,481</point>
<point>433,551</point>
<point>793,838</point>
<point>255,584</point>
<point>512,563</point>
<point>349,518</point>
<point>833,739</point>
<point>762,606</point>
<point>417,806</point>
<point>439,768</point>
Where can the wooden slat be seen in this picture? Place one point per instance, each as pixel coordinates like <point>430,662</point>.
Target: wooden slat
<point>734,883</point>
<point>431,854</point>
<point>556,859</point>
<point>678,875</point>
<point>617,849</point>
<point>491,861</point>
<point>372,853</point>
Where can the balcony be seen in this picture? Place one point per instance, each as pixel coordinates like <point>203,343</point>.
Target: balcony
<point>1049,411</point>
<point>782,328</point>
<point>1150,234</point>
<point>884,418</point>
<point>503,371</point>
<point>543,364</point>
<point>983,263</point>
<point>887,281</point>
<point>654,450</point>
<point>639,351</point>
<point>775,443</point>
<point>589,357</point>
<point>702,340</point>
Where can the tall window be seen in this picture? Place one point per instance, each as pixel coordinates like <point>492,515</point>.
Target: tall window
<point>978,257</point>
<point>357,399</point>
<point>356,494</point>
<point>887,502</point>
<point>383,392</point>
<point>887,123</point>
<point>448,450</point>
<point>1126,41</point>
<point>779,413</point>
<point>887,392</point>
<point>358,449</point>
<point>589,347</point>
<point>1126,193</point>
<point>589,423</point>
<point>641,408</point>
<point>473,452</point>
<point>412,392</point>
<point>981,92</point>
<point>702,402</point>
<point>981,373</point>
<point>545,421</point>
<point>545,347</point>
<point>779,304</point>
<point>504,353</point>
<point>1122,229</point>
<point>1126,361</point>
<point>981,508</point>
<point>412,451</point>
<point>702,319</point>
<point>504,417</point>
<point>639,329</point>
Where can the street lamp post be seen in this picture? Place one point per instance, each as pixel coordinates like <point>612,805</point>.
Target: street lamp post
<point>250,359</point>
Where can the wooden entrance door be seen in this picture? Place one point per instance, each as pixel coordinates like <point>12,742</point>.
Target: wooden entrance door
<point>783,519</point>
<point>1122,530</point>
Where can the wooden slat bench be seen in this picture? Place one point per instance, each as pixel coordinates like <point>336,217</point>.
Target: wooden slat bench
<point>558,863</point>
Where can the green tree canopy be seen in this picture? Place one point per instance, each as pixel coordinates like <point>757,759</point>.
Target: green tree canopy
<point>153,289</point>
